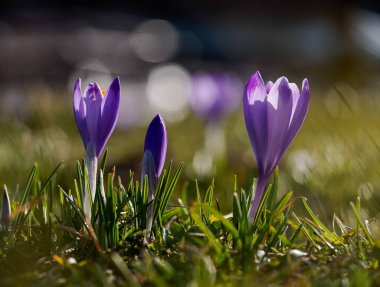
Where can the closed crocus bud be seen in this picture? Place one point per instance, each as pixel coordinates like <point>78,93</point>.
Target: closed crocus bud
<point>156,143</point>
<point>153,162</point>
<point>6,211</point>
<point>274,114</point>
<point>96,113</point>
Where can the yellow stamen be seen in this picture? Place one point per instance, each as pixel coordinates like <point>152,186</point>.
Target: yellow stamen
<point>102,91</point>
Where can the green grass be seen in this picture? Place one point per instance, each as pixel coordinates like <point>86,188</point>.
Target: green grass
<point>317,224</point>
<point>51,242</point>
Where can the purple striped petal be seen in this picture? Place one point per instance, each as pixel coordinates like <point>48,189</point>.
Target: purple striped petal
<point>295,95</point>
<point>80,112</point>
<point>108,115</point>
<point>279,113</point>
<point>256,119</point>
<point>299,113</point>
<point>255,89</point>
<point>93,100</point>
<point>156,142</point>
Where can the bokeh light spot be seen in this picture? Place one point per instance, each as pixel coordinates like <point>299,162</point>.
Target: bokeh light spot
<point>168,91</point>
<point>155,41</point>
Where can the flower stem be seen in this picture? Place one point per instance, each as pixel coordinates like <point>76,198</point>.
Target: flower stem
<point>260,188</point>
<point>91,162</point>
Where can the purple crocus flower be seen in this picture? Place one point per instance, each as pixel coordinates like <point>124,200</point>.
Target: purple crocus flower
<point>273,113</point>
<point>96,113</point>
<point>153,161</point>
<point>214,95</point>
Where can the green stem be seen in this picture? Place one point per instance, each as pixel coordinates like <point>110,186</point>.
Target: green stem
<point>91,162</point>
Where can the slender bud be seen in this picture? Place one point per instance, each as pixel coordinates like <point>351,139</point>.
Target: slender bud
<point>156,141</point>
<point>153,162</point>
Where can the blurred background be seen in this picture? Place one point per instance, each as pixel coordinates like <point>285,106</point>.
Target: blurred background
<point>189,61</point>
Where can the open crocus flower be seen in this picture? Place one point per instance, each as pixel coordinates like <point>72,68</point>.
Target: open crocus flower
<point>273,113</point>
<point>153,162</point>
<point>95,114</point>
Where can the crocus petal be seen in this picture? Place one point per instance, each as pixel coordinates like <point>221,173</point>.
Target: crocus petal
<point>77,95</point>
<point>299,114</point>
<point>156,142</point>
<point>255,114</point>
<point>255,89</point>
<point>93,100</point>
<point>268,86</point>
<point>108,115</point>
<point>256,122</point>
<point>80,112</point>
<point>148,165</point>
<point>280,103</point>
<point>295,96</point>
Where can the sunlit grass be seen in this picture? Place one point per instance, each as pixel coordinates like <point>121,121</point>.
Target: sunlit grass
<point>334,159</point>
